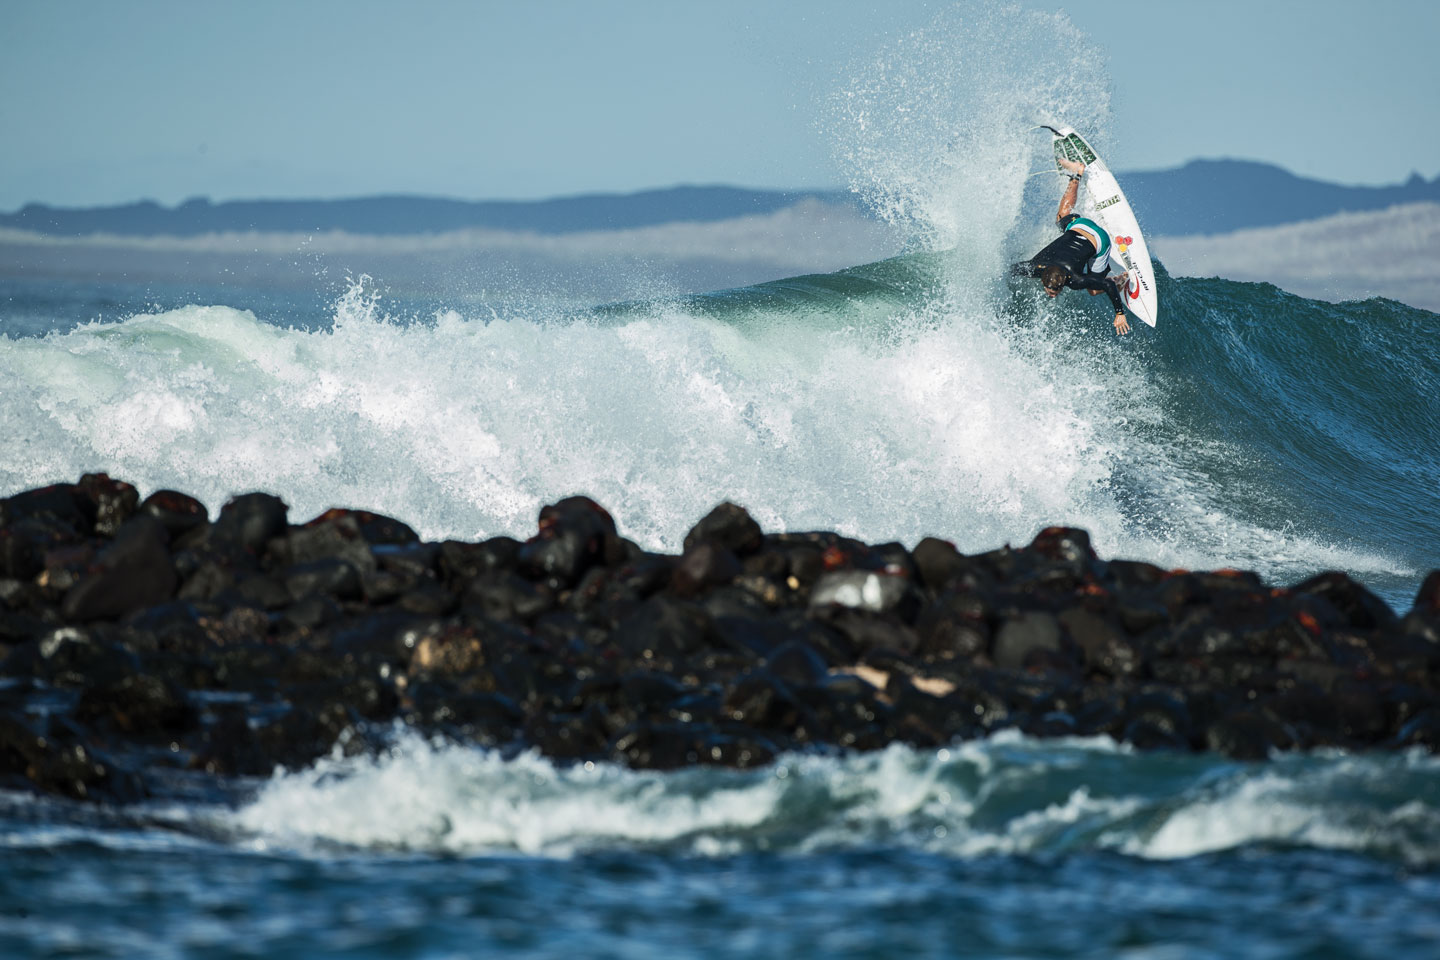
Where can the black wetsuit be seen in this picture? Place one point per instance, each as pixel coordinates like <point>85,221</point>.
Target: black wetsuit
<point>1072,252</point>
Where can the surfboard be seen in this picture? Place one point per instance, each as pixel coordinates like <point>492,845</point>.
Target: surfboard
<point>1105,203</point>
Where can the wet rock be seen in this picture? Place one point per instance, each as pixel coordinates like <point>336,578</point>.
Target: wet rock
<point>1246,735</point>
<point>1360,711</point>
<point>1131,574</point>
<point>761,700</point>
<point>311,612</point>
<point>797,663</point>
<point>374,528</point>
<point>865,633</point>
<point>574,536</point>
<point>115,501</point>
<point>1067,547</point>
<point>22,549</point>
<point>727,527</point>
<point>70,657</point>
<point>443,650</point>
<point>465,561</point>
<point>1357,606</point>
<point>1421,731</point>
<point>862,590</point>
<point>1021,638</point>
<point>251,521</point>
<point>138,705</point>
<point>570,735</point>
<point>955,627</point>
<point>937,562</point>
<point>489,719</point>
<point>303,734</point>
<point>1157,719</point>
<point>428,599</point>
<point>61,507</point>
<point>258,590</point>
<point>333,577</point>
<point>505,596</point>
<point>704,565</point>
<point>1103,645</point>
<point>664,628</point>
<point>335,535</point>
<point>412,560</point>
<point>180,514</point>
<point>247,644</point>
<point>54,760</point>
<point>207,581</point>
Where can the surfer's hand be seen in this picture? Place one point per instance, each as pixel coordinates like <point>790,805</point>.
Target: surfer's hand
<point>1122,326</point>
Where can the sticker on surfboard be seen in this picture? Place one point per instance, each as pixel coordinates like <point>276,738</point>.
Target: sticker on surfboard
<point>1104,202</point>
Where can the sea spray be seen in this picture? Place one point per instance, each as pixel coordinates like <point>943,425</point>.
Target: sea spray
<point>869,403</point>
<point>936,130</point>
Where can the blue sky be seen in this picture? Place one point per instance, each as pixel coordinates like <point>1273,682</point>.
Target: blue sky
<point>113,102</point>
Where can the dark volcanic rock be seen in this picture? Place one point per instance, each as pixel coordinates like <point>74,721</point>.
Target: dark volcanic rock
<point>133,572</point>
<point>574,536</point>
<point>136,635</point>
<point>179,513</point>
<point>728,527</point>
<point>251,521</point>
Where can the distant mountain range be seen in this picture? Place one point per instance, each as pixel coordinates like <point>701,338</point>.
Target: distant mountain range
<point>1204,196</point>
<point>400,215</point>
<point>1217,196</point>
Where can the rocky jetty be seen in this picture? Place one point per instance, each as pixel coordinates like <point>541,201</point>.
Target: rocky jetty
<point>143,643</point>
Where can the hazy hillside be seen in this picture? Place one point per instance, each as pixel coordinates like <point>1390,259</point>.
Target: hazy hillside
<point>1204,196</point>
<point>398,216</point>
<point>1348,256</point>
<point>1217,196</point>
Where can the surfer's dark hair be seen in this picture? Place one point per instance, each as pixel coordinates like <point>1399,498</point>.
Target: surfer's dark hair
<point>1054,277</point>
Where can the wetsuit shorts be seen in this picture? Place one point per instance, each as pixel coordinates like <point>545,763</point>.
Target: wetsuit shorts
<point>1092,231</point>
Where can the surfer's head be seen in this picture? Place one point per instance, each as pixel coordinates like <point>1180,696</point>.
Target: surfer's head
<point>1054,280</point>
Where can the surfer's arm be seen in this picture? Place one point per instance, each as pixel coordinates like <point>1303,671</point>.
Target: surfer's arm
<point>1102,285</point>
<point>1072,190</point>
<point>1025,268</point>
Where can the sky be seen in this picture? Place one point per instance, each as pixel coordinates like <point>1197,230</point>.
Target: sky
<point>106,103</point>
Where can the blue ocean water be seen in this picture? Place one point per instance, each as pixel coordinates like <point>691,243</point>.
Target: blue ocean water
<point>921,395</point>
<point>1011,847</point>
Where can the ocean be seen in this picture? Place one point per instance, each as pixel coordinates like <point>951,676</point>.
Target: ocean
<point>919,394</point>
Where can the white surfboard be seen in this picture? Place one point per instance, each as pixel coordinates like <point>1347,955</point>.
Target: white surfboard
<point>1105,203</point>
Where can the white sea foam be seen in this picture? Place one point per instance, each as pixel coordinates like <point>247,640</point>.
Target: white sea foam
<point>1333,802</point>
<point>1008,796</point>
<point>937,422</point>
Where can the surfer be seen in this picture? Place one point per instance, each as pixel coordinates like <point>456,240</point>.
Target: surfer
<point>1080,259</point>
